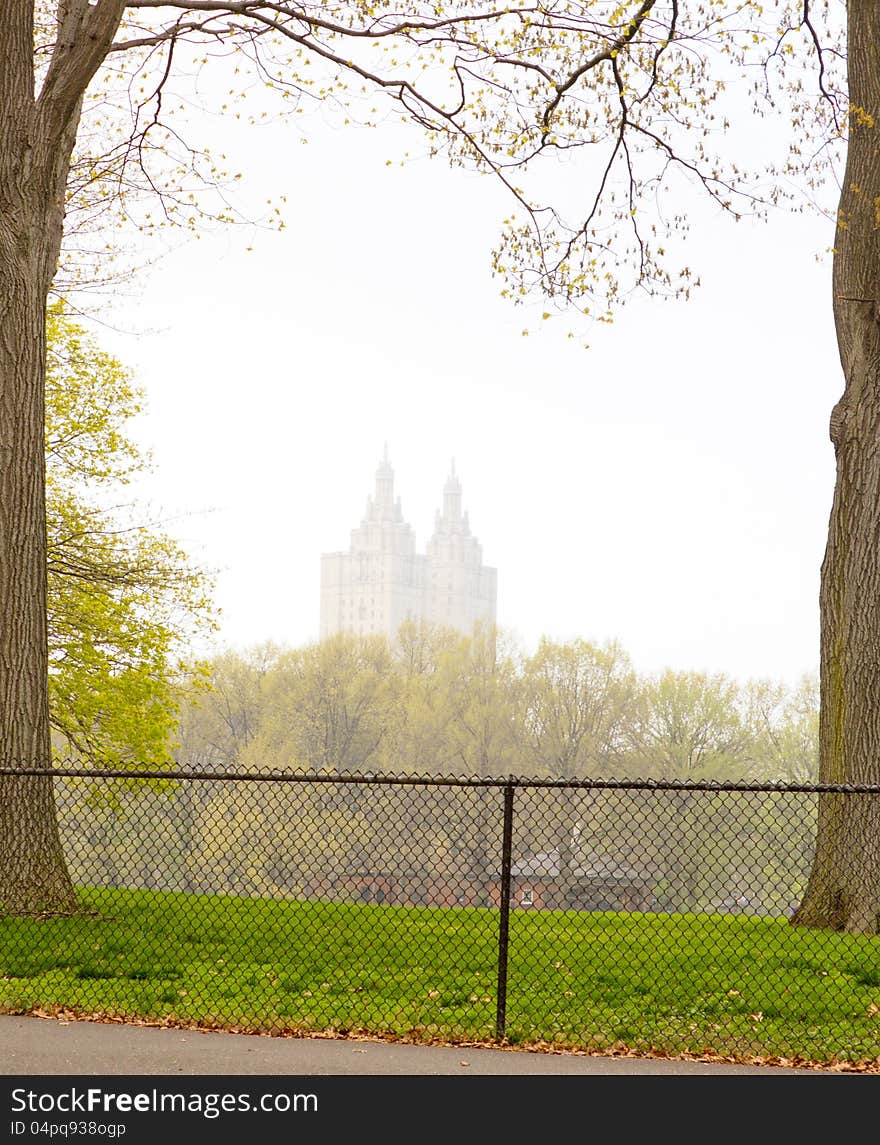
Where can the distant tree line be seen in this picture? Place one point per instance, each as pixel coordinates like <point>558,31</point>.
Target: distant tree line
<point>438,703</point>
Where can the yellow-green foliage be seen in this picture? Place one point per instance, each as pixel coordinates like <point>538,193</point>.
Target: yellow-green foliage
<point>593,117</point>
<point>123,596</point>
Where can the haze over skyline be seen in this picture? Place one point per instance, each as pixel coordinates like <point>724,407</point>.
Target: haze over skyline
<point>668,487</point>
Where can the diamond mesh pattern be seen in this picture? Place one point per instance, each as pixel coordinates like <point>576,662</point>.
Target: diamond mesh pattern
<point>640,917</point>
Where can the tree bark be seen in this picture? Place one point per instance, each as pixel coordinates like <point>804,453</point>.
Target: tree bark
<point>33,874</point>
<point>843,891</point>
<point>37,135</point>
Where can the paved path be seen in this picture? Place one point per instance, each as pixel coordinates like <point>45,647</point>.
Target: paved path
<point>33,1046</point>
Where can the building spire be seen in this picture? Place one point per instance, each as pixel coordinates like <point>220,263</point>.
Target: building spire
<point>384,498</point>
<point>452,496</point>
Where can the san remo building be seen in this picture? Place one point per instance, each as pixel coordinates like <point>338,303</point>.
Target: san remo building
<point>382,581</point>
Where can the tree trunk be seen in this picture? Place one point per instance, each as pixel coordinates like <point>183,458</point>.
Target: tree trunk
<point>843,892</point>
<point>34,158</point>
<point>33,875</point>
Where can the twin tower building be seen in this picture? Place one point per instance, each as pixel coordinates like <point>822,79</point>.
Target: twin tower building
<point>382,581</point>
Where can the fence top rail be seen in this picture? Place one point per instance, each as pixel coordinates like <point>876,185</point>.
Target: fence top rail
<point>511,781</point>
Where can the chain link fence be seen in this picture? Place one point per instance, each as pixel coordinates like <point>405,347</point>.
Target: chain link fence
<point>595,915</point>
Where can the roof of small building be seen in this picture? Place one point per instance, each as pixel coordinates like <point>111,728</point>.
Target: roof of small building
<point>546,864</point>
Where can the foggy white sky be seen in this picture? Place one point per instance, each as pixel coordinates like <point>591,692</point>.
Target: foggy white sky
<point>669,487</point>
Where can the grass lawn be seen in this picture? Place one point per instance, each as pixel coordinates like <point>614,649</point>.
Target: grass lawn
<point>738,987</point>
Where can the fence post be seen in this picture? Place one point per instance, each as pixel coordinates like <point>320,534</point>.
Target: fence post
<point>504,917</point>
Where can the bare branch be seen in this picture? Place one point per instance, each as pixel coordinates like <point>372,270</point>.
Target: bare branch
<point>820,56</point>
<point>608,53</point>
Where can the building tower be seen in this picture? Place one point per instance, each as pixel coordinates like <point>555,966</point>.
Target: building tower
<point>460,590</point>
<point>379,582</point>
<point>382,581</point>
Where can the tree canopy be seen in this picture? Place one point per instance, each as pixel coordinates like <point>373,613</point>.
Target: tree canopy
<point>126,602</point>
<point>631,103</point>
<point>638,99</point>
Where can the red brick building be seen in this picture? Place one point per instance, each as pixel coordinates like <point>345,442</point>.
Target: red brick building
<point>538,883</point>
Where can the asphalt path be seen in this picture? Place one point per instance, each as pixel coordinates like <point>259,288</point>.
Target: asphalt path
<point>41,1046</point>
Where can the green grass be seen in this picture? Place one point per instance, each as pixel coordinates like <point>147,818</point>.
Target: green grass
<point>739,987</point>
